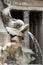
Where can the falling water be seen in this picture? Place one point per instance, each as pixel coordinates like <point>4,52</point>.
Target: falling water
<point>37,47</point>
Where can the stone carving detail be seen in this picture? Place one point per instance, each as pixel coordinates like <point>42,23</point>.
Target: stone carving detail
<point>15,2</point>
<point>15,50</point>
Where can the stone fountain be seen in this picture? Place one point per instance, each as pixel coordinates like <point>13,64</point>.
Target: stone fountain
<point>15,52</point>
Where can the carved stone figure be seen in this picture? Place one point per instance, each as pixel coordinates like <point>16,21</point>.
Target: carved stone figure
<point>17,53</point>
<point>15,50</point>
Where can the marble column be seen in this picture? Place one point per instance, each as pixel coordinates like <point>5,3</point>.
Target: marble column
<point>26,21</point>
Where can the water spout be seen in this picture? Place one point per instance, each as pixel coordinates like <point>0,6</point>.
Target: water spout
<point>37,47</point>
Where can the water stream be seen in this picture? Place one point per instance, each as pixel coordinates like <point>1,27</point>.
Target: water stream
<point>38,51</point>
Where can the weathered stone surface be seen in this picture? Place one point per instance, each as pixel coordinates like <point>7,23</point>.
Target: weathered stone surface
<point>4,36</point>
<point>17,54</point>
<point>26,5</point>
<point>25,2</point>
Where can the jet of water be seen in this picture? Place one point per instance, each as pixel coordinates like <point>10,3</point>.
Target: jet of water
<point>37,47</point>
